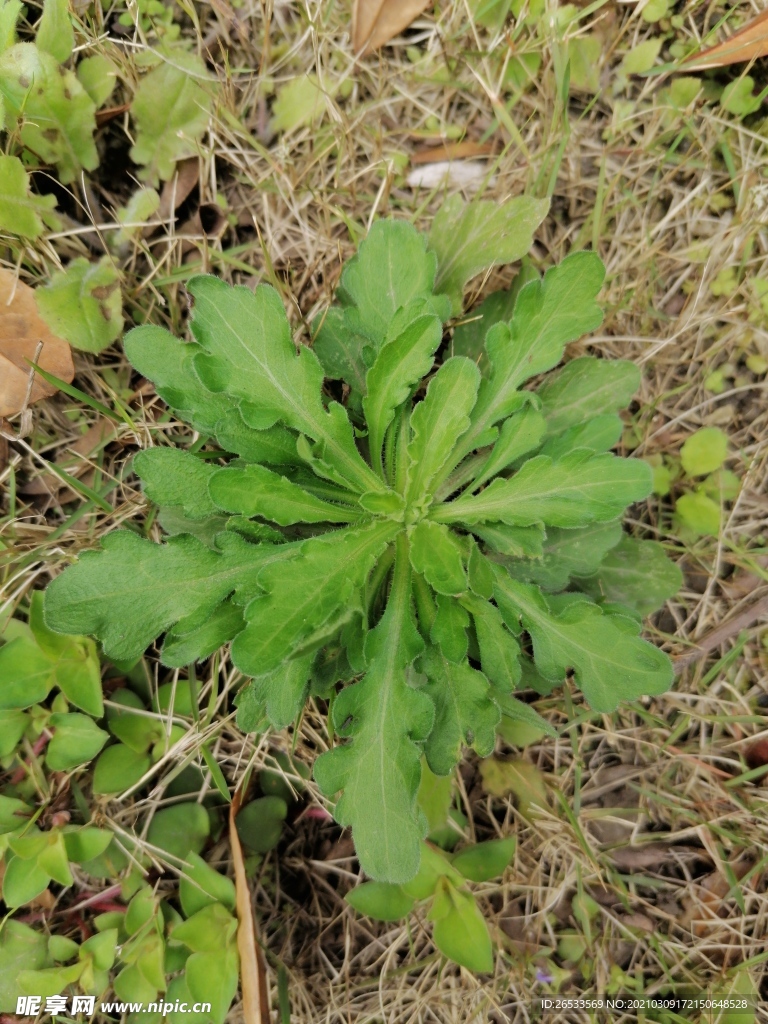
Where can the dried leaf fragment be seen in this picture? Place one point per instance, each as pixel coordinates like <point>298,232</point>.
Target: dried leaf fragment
<point>375,22</point>
<point>253,978</point>
<point>21,329</point>
<point>749,43</point>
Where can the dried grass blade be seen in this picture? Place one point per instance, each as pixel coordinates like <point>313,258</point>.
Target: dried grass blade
<point>253,975</point>
<point>749,43</point>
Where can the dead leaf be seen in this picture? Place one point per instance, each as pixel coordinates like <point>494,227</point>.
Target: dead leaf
<point>110,113</point>
<point>253,975</point>
<point>653,856</point>
<point>706,902</point>
<point>468,174</point>
<point>209,221</point>
<point>74,460</point>
<point>640,922</point>
<point>611,804</point>
<point>451,151</point>
<point>756,755</point>
<point>375,22</point>
<point>21,330</point>
<point>747,44</point>
<point>178,188</point>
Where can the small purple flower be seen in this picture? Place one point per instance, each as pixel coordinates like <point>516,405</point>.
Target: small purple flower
<point>543,976</point>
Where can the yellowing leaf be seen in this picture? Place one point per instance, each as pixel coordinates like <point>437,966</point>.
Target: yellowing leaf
<point>699,513</point>
<point>584,54</point>
<point>704,452</point>
<point>517,778</point>
<point>299,102</point>
<point>83,304</point>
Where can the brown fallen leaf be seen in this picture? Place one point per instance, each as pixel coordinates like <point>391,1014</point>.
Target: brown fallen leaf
<point>720,634</point>
<point>706,902</point>
<point>253,975</point>
<point>451,151</point>
<point>750,42</point>
<point>756,755</point>
<point>110,113</point>
<point>209,221</point>
<point>21,331</point>
<point>74,460</point>
<point>178,187</point>
<point>375,22</point>
<point>653,855</point>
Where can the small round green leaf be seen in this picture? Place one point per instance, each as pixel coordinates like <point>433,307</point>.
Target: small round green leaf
<point>14,814</point>
<point>212,977</point>
<point>13,725</point>
<point>704,452</point>
<point>260,823</point>
<point>180,830</point>
<point>483,861</point>
<point>83,844</point>
<point>380,900</point>
<point>699,513</point>
<point>201,886</point>
<point>460,932</point>
<point>76,739</point>
<point>21,948</point>
<point>118,768</point>
<point>23,880</point>
<point>62,948</point>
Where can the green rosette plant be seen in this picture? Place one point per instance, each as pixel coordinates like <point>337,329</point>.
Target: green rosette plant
<point>432,541</point>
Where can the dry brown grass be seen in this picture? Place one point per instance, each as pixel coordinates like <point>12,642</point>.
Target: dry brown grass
<point>662,818</point>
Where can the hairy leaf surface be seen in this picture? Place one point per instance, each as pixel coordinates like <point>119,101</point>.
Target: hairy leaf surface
<point>548,314</point>
<point>610,663</point>
<point>636,573</point>
<point>379,769</point>
<point>248,352</point>
<point>568,553</point>
<point>436,554</point>
<point>579,489</point>
<point>438,422</point>
<point>378,544</point>
<point>468,237</point>
<point>465,711</point>
<point>174,477</point>
<point>586,387</point>
<point>400,364</point>
<point>324,572</point>
<point>257,491</point>
<point>132,590</point>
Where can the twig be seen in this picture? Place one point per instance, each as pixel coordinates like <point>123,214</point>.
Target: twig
<point>720,634</point>
<point>25,423</point>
